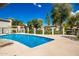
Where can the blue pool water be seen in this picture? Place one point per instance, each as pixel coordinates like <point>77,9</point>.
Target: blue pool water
<point>28,40</point>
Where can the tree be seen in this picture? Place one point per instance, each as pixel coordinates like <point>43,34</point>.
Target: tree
<point>30,24</point>
<point>55,15</point>
<point>77,23</point>
<point>2,4</point>
<point>1,19</point>
<point>77,17</point>
<point>40,21</point>
<point>48,20</point>
<point>15,22</point>
<point>11,19</point>
<point>60,13</point>
<point>71,21</point>
<point>35,23</point>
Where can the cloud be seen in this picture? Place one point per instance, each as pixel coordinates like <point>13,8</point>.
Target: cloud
<point>39,6</point>
<point>77,11</point>
<point>72,13</point>
<point>34,4</point>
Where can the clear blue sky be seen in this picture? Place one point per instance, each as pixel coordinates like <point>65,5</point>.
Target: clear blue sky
<point>28,11</point>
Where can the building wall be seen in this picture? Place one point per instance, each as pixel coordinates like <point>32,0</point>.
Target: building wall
<point>5,27</point>
<point>0,30</point>
<point>5,24</point>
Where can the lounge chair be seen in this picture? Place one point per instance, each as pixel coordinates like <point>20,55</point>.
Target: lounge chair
<point>4,42</point>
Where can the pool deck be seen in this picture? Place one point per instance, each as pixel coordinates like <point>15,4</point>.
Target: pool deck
<point>59,47</point>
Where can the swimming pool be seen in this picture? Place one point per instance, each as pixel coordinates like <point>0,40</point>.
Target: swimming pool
<point>28,40</point>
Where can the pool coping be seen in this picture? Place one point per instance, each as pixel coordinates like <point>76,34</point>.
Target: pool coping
<point>43,36</point>
<point>58,47</point>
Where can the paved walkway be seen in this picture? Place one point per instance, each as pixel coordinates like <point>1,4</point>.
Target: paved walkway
<point>59,47</point>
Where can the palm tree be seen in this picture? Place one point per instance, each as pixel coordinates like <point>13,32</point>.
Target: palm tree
<point>40,23</point>
<point>55,15</point>
<point>15,22</point>
<point>77,23</point>
<point>71,21</point>
<point>35,23</point>
<point>60,13</point>
<point>29,23</point>
<point>48,20</point>
<point>1,19</point>
<point>77,17</point>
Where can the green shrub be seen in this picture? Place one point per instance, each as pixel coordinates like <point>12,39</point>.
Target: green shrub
<point>78,37</point>
<point>39,32</point>
<point>13,31</point>
<point>26,31</point>
<point>58,32</point>
<point>31,31</point>
<point>47,32</point>
<point>77,34</point>
<point>68,32</point>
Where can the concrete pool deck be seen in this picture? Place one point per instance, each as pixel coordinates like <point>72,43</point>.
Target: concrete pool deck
<point>59,47</point>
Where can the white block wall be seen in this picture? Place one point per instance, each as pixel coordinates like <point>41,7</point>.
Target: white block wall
<point>5,24</point>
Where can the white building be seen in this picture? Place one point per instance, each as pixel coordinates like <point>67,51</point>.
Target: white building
<point>5,26</point>
<point>21,28</point>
